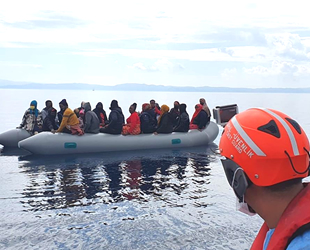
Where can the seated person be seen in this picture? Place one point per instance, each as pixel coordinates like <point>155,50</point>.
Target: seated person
<point>70,122</point>
<point>155,108</point>
<point>165,121</point>
<point>77,110</point>
<point>200,118</point>
<point>101,114</point>
<point>116,120</point>
<point>32,119</point>
<point>147,120</point>
<point>133,122</point>
<point>81,118</point>
<point>175,112</point>
<point>49,122</point>
<point>91,124</point>
<point>205,107</point>
<point>182,121</point>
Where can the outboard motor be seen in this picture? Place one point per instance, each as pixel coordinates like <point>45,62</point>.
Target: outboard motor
<point>222,114</point>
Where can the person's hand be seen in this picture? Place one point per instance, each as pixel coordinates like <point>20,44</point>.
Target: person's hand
<point>19,127</point>
<point>155,133</point>
<point>200,129</point>
<point>53,131</point>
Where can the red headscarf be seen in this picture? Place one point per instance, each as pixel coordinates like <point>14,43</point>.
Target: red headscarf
<point>145,106</point>
<point>197,110</point>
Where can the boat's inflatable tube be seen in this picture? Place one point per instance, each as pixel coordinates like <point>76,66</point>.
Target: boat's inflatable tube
<point>12,137</point>
<point>46,143</point>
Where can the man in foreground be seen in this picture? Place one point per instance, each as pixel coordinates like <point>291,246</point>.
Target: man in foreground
<point>266,157</point>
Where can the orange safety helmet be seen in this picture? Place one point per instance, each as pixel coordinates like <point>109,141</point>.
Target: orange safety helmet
<point>269,146</point>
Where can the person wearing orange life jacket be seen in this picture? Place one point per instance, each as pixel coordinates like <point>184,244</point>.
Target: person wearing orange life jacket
<point>266,157</point>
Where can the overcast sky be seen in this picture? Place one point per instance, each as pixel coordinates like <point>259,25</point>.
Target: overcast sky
<point>179,43</point>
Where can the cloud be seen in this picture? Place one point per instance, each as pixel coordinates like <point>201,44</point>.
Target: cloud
<point>229,73</point>
<point>280,68</point>
<point>21,64</point>
<point>289,46</point>
<point>162,64</point>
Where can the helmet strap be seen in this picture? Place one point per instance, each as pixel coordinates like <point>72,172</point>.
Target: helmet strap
<point>293,164</point>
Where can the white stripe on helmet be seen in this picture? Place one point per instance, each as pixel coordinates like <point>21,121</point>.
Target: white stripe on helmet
<point>246,138</point>
<point>288,130</point>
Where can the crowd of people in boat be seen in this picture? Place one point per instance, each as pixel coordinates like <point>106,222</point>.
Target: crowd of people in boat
<point>152,119</point>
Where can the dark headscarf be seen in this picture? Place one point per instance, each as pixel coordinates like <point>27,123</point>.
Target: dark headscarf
<point>183,108</point>
<point>99,110</point>
<point>114,105</point>
<point>64,102</point>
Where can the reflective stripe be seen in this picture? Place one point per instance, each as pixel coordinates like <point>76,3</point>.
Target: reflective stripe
<point>288,130</point>
<point>246,138</point>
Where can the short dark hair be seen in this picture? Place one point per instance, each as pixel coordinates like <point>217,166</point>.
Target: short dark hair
<point>47,102</point>
<point>284,186</point>
<point>152,100</point>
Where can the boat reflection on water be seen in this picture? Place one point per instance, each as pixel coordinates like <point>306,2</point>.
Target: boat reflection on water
<point>81,180</point>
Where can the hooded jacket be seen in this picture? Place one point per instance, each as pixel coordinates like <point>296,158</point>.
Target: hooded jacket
<point>182,121</point>
<point>91,124</point>
<point>49,122</point>
<point>116,120</point>
<point>100,112</point>
<point>147,122</point>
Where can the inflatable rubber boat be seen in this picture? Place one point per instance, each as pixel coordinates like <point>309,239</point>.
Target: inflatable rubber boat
<point>46,143</point>
<point>11,137</point>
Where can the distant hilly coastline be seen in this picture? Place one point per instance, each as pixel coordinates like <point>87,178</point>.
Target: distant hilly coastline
<point>5,84</point>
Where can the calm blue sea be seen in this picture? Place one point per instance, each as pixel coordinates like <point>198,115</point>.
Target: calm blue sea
<point>157,199</point>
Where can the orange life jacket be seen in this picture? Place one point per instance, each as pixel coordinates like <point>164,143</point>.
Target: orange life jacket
<point>294,221</point>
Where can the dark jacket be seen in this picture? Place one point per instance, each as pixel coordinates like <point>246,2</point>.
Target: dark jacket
<point>116,121</point>
<point>147,122</point>
<point>91,123</point>
<point>49,122</point>
<point>100,111</point>
<point>60,115</point>
<point>175,113</point>
<point>182,123</point>
<point>165,125</point>
<point>202,119</point>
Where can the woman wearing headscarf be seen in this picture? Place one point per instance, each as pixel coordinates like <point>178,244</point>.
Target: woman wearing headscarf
<point>133,122</point>
<point>147,119</point>
<point>165,121</point>
<point>200,118</point>
<point>101,114</point>
<point>116,120</point>
<point>182,120</point>
<point>205,107</point>
<point>32,119</point>
<point>70,122</point>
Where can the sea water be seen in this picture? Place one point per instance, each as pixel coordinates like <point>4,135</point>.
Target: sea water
<point>155,199</point>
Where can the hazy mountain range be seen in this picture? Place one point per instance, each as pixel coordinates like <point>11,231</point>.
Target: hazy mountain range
<point>5,84</point>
